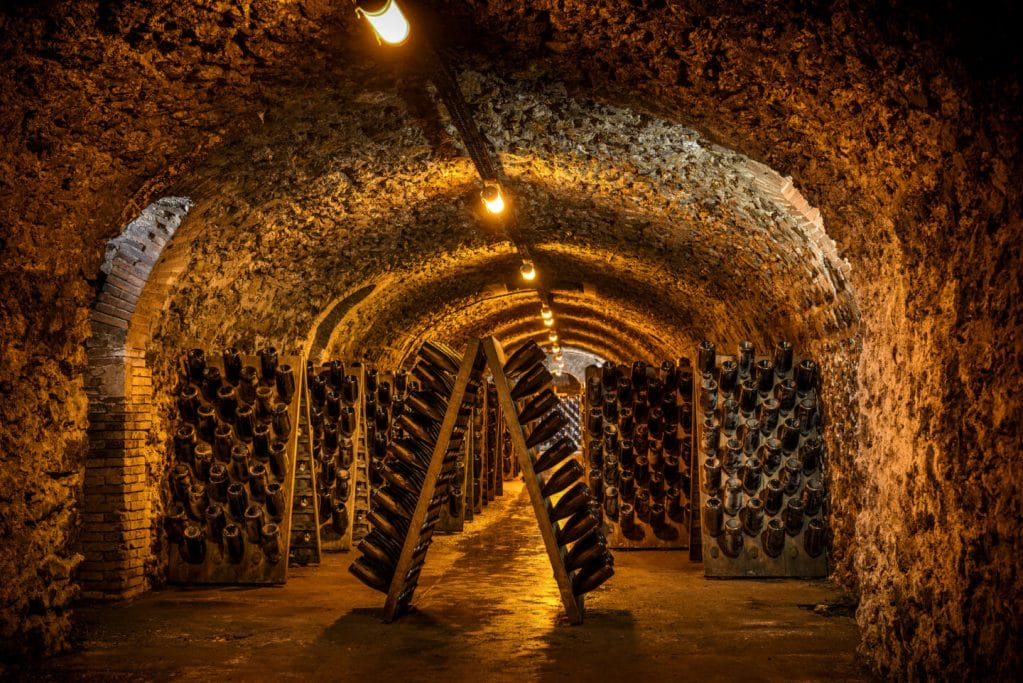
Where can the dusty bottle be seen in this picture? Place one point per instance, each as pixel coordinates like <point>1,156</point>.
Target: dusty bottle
<point>413,453</point>
<point>193,550</point>
<point>275,501</point>
<point>532,382</point>
<point>207,423</point>
<point>783,358</point>
<point>747,356</point>
<point>752,516</point>
<point>426,403</point>
<point>395,504</point>
<point>216,520</point>
<point>748,396</point>
<point>773,538</point>
<point>765,376</point>
<point>539,405</point>
<point>372,575</point>
<point>403,477</point>
<point>767,416</point>
<point>175,522</point>
<point>733,496</point>
<point>713,517</point>
<point>773,495</point>
<point>196,365</point>
<point>197,501</point>
<point>234,543</point>
<point>789,433</point>
<point>559,450</point>
<point>641,471</point>
<point>814,538</point>
<point>240,463</point>
<point>592,576</point>
<point>284,379</point>
<point>244,423</point>
<point>575,499</point>
<point>731,541</point>
<point>254,523</point>
<point>806,376</point>
<point>750,436</point>
<point>257,481</point>
<point>432,379</point>
<point>793,517</point>
<point>278,460</point>
<point>685,382</point>
<point>202,460</point>
<point>676,505</point>
<point>728,377</point>
<point>211,383</point>
<point>627,484</point>
<point>223,442</point>
<point>281,421</point>
<point>392,526</point>
<point>264,404</point>
<point>184,442</point>
<point>811,453</point>
<point>419,427</point>
<point>261,442</point>
<point>524,359</point>
<point>268,365</point>
<point>272,545</point>
<point>219,480</point>
<point>440,356</point>
<point>752,475</point>
<point>732,456</point>
<point>611,503</point>
<point>792,476</point>
<point>706,357</point>
<point>587,549</point>
<point>562,478</point>
<point>813,496</point>
<point>247,384</point>
<point>181,480</point>
<point>237,501</point>
<point>771,455</point>
<point>338,517</point>
<point>577,526</point>
<point>546,429</point>
<point>807,414</point>
<point>786,394</point>
<point>188,404</point>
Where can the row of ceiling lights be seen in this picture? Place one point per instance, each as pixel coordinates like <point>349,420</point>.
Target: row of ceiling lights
<point>391,26</point>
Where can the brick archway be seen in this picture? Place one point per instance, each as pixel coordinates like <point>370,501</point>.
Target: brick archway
<point>117,520</point>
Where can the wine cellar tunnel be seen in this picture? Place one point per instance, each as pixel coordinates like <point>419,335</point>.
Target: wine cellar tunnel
<point>253,174</point>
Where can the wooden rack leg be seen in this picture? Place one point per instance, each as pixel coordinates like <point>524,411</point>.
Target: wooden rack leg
<point>495,359</point>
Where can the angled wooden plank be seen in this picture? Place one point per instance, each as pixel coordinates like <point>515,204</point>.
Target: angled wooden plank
<point>495,359</point>
<point>400,586</point>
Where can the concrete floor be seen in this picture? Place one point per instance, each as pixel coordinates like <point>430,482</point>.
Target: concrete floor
<point>487,609</point>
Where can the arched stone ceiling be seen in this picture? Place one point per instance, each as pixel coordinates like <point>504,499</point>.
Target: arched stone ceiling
<point>649,237</point>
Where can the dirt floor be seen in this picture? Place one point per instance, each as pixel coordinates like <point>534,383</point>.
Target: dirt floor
<point>487,609</point>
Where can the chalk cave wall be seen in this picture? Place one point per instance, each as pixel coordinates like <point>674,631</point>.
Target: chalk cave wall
<point>899,125</point>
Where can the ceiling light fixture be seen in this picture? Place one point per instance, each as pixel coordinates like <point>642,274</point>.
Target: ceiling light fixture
<point>388,22</point>
<point>528,270</point>
<point>553,336</point>
<point>492,198</point>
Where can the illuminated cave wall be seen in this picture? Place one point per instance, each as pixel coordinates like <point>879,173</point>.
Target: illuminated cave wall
<point>317,166</point>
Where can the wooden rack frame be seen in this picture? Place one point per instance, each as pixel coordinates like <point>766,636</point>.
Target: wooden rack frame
<point>574,608</point>
<point>399,596</point>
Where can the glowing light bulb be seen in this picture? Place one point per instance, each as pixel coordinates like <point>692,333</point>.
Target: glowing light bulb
<point>553,336</point>
<point>492,198</point>
<point>555,349</point>
<point>546,313</point>
<point>528,271</point>
<point>389,23</point>
<point>548,322</point>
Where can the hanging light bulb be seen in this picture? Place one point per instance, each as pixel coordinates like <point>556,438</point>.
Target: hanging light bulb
<point>553,336</point>
<point>546,313</point>
<point>556,349</point>
<point>528,270</point>
<point>492,198</point>
<point>388,22</point>
<point>548,322</point>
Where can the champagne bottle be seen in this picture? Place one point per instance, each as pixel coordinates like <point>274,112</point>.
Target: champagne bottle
<point>752,475</point>
<point>175,522</point>
<point>196,362</point>
<point>203,460</point>
<point>733,496</point>
<point>641,471</point>
<point>765,376</point>
<point>748,397</point>
<point>268,364</point>
<point>223,442</point>
<point>793,517</point>
<point>573,500</point>
<point>559,450</point>
<point>708,395</point>
<point>278,460</point>
<point>657,518</point>
<point>194,548</point>
<point>284,378</point>
<point>212,383</point>
<point>773,497</point>
<point>807,414</point>
<point>403,477</point>
<point>706,357</point>
<point>188,404</point>
<point>773,538</point>
<point>184,442</point>
<point>564,477</point>
<point>627,519</point>
<point>711,437</point>
<point>813,496</point>
<point>231,536</point>
<point>275,501</point>
<point>587,549</point>
<point>732,456</point>
<point>811,454</point>
<point>218,482</point>
<point>281,421</point>
<point>244,423</point>
<point>753,516</point>
<point>240,463</point>
<point>440,356</point>
<point>539,406</point>
<point>207,423</point>
<point>771,455</point>
<point>419,427</point>
<point>395,504</point>
<point>426,403</point>
<point>790,433</point>
<point>261,442</point>
<point>247,385</point>
<point>786,394</point>
<point>272,544</point>
<point>433,380</point>
<point>197,501</point>
<point>611,503</point>
<point>806,376</point>
<point>783,358</point>
<point>677,505</point>
<point>350,390</point>
<point>547,429</point>
<point>578,525</point>
<point>685,382</point>
<point>531,382</point>
<point>257,481</point>
<point>237,501</point>
<point>747,356</point>
<point>181,481</point>
<point>814,538</point>
<point>750,436</point>
<point>524,359</point>
<point>216,520</point>
<point>728,377</point>
<point>339,517</point>
<point>731,538</point>
<point>669,375</point>
<point>254,523</point>
<point>713,517</point>
<point>627,484</point>
<point>389,525</point>
<point>373,576</point>
<point>591,577</point>
<point>264,403</point>
<point>792,476</point>
<point>767,415</point>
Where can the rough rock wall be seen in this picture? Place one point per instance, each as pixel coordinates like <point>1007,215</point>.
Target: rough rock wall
<point>103,103</point>
<point>901,123</point>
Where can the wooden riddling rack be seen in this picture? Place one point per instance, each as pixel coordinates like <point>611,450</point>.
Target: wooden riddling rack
<point>573,581</point>
<point>640,459</point>
<point>336,400</point>
<point>232,482</point>
<point>760,434</point>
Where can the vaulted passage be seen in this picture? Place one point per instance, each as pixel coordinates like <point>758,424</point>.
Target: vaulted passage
<point>220,174</point>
